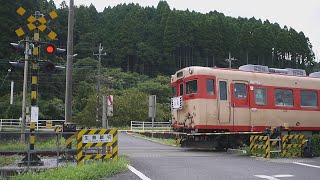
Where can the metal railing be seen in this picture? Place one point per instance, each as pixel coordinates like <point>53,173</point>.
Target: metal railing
<point>50,156</point>
<point>15,124</point>
<point>147,126</point>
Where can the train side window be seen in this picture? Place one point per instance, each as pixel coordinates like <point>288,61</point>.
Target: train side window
<point>210,86</point>
<point>240,90</point>
<point>173,91</point>
<point>223,90</point>
<point>308,98</point>
<point>283,97</point>
<point>181,89</point>
<point>260,96</point>
<point>192,87</point>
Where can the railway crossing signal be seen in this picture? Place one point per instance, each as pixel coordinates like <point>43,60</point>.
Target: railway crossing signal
<point>45,66</point>
<point>36,23</point>
<point>51,49</point>
<point>18,46</point>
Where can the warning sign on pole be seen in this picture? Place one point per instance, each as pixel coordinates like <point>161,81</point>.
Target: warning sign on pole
<point>152,106</point>
<point>110,105</point>
<point>34,114</point>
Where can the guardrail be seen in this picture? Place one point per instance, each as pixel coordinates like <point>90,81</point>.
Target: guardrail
<point>147,126</point>
<point>15,124</point>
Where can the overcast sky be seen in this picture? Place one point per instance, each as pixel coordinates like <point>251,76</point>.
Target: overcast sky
<point>302,15</point>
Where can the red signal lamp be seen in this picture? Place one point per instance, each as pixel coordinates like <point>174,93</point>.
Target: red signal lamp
<point>49,48</point>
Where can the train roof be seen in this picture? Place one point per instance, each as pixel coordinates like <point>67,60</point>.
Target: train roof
<point>254,77</point>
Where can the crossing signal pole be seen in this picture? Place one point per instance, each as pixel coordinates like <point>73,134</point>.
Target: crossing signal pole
<point>24,94</point>
<point>37,23</point>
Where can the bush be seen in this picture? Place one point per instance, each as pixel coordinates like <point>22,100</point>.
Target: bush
<point>315,143</point>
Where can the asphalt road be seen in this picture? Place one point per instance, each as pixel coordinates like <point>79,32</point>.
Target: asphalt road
<point>155,161</point>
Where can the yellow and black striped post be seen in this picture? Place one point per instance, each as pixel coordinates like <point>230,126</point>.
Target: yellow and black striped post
<point>113,144</point>
<point>254,146</point>
<point>295,147</point>
<point>34,85</point>
<point>33,159</point>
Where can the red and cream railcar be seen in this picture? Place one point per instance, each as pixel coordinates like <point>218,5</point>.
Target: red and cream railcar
<point>215,99</point>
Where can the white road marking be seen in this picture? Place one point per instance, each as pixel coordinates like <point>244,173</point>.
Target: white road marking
<point>303,164</point>
<point>138,173</point>
<point>283,175</point>
<point>266,177</point>
<point>274,177</point>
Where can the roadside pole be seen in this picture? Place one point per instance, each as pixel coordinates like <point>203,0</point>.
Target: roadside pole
<point>24,94</point>
<point>152,110</point>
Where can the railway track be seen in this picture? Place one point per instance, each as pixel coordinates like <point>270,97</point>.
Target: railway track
<point>49,153</point>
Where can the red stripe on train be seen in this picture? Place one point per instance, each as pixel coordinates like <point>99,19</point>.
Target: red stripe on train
<point>251,128</point>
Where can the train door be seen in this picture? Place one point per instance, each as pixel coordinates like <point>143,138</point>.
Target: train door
<point>258,102</point>
<point>240,115</point>
<point>223,102</point>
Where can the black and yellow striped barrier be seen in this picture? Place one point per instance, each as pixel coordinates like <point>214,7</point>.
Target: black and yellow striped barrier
<point>68,141</point>
<point>293,143</point>
<point>97,138</point>
<point>260,146</point>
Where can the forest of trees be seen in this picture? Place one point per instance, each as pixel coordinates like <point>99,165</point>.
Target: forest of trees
<point>143,46</point>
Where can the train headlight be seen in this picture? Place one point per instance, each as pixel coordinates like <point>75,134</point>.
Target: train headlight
<point>190,70</point>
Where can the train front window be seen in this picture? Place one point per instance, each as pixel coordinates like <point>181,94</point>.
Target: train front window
<point>210,86</point>
<point>283,97</point>
<point>192,87</point>
<point>240,90</point>
<point>308,98</point>
<point>173,91</point>
<point>181,89</point>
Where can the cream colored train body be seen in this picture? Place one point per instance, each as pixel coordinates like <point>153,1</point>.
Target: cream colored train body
<point>214,99</point>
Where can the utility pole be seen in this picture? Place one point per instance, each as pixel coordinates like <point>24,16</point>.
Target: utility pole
<point>99,84</point>
<point>68,98</point>
<point>24,94</point>
<point>230,60</point>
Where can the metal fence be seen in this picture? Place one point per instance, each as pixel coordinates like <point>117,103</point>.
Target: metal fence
<point>147,126</point>
<point>15,124</point>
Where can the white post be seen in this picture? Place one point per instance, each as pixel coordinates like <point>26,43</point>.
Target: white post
<point>143,125</point>
<point>131,125</point>
<point>11,97</point>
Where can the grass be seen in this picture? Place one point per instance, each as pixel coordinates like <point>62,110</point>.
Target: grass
<point>49,144</point>
<point>8,160</point>
<point>93,170</point>
<point>162,141</point>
